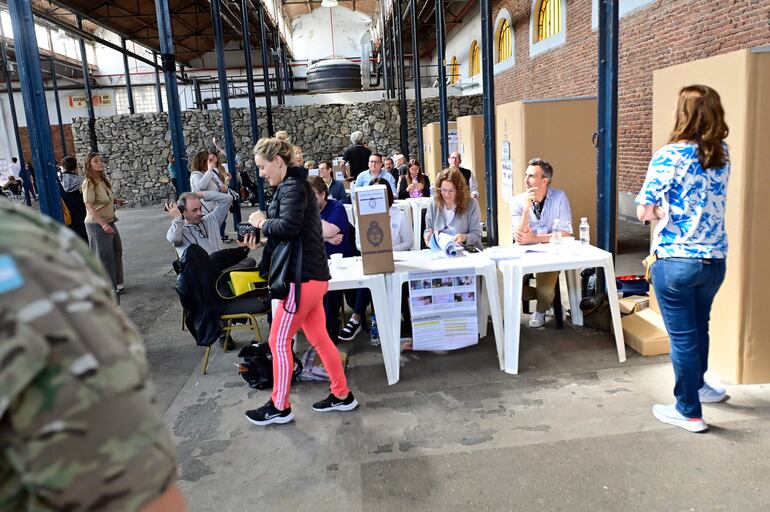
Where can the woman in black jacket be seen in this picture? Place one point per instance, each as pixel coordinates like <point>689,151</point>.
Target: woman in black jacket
<point>414,183</point>
<point>294,217</point>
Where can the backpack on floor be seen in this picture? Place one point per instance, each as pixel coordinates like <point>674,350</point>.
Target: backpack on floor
<point>257,366</point>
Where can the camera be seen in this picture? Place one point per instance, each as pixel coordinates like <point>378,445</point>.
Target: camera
<point>244,228</point>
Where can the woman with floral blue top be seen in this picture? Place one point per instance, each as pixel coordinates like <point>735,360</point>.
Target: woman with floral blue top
<point>686,189</point>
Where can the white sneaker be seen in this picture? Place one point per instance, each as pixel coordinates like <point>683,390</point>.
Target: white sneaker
<point>711,395</point>
<point>536,320</point>
<point>669,414</point>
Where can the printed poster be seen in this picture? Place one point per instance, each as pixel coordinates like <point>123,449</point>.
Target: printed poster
<point>444,309</point>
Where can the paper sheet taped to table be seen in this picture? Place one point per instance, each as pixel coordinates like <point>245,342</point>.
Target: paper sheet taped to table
<point>444,309</point>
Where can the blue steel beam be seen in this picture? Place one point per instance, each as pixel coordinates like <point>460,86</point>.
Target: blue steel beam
<point>250,88</point>
<point>158,91</point>
<point>87,87</point>
<point>384,53</point>
<point>265,70</point>
<point>277,68</point>
<point>15,119</point>
<point>417,84</point>
<point>62,140</point>
<point>224,100</point>
<point>127,71</point>
<point>397,21</point>
<point>607,158</point>
<point>172,94</point>
<point>442,100</point>
<point>488,94</point>
<point>35,108</point>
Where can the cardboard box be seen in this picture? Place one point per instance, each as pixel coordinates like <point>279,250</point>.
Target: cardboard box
<point>374,229</point>
<point>645,332</point>
<point>653,305</point>
<point>470,145</point>
<point>431,134</point>
<point>559,131</point>
<point>739,332</point>
<point>633,304</point>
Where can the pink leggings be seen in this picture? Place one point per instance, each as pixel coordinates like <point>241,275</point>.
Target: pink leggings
<point>310,316</point>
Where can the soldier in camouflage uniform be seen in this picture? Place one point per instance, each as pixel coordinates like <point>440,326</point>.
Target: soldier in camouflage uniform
<point>79,427</point>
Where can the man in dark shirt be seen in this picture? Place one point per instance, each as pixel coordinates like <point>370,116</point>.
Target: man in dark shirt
<point>356,156</point>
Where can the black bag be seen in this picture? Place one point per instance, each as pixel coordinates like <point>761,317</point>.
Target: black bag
<point>257,366</point>
<point>279,278</point>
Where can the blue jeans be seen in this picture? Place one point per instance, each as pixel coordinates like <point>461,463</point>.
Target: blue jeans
<point>685,288</point>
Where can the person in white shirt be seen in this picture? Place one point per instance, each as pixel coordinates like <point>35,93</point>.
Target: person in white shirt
<point>191,226</point>
<point>15,168</point>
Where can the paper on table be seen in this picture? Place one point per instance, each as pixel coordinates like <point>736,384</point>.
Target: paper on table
<point>371,201</point>
<point>444,243</point>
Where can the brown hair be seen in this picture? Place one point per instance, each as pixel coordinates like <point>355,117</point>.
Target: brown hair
<point>220,168</point>
<point>700,118</point>
<point>91,174</point>
<point>272,147</point>
<point>200,161</point>
<point>462,196</point>
<point>416,162</point>
<point>318,185</point>
<point>388,190</point>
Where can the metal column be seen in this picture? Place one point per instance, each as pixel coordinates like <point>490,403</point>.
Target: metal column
<point>286,74</point>
<point>129,92</point>
<point>87,86</point>
<point>277,67</point>
<point>488,94</point>
<point>265,70</point>
<point>62,140</point>
<point>442,101</point>
<point>158,91</point>
<point>607,158</point>
<point>224,101</point>
<point>384,53</point>
<point>417,84</point>
<point>401,81</point>
<point>250,88</point>
<point>393,56</point>
<point>172,95</point>
<point>35,108</point>
<point>15,119</point>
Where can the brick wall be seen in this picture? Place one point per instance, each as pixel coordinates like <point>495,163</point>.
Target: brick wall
<point>54,138</point>
<point>659,35</point>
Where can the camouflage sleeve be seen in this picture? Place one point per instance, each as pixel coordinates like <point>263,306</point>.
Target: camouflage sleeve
<point>79,429</point>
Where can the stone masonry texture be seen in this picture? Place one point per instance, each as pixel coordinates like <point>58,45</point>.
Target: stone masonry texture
<point>136,146</point>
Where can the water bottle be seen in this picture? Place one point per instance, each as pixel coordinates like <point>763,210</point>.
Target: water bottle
<point>585,231</point>
<point>556,235</point>
<point>375,332</point>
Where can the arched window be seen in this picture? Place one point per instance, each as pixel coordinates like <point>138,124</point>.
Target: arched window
<point>504,40</point>
<point>475,59</point>
<point>454,71</point>
<point>548,19</point>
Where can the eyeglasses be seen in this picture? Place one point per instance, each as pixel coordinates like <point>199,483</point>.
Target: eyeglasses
<point>447,191</point>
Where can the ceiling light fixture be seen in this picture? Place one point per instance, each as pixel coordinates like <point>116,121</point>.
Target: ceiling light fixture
<point>329,3</point>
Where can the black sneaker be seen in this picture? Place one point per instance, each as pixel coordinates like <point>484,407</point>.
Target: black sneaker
<point>268,414</point>
<point>350,330</point>
<point>332,403</point>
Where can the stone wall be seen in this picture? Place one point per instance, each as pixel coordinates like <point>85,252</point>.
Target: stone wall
<point>136,147</point>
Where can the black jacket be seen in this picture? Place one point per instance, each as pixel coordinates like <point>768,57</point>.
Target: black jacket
<point>404,181</point>
<point>195,286</point>
<point>293,214</point>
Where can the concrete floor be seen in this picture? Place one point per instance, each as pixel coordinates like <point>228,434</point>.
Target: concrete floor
<point>573,431</point>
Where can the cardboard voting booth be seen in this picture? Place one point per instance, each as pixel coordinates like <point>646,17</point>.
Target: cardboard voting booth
<point>470,145</point>
<point>559,131</point>
<point>740,335</point>
<point>431,135</point>
<point>374,229</point>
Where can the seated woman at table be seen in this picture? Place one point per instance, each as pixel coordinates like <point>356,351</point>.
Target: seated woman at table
<point>335,229</point>
<point>402,238</point>
<point>453,211</point>
<point>414,183</point>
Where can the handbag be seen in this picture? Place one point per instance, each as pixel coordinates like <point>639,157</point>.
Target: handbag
<point>647,264</point>
<point>279,277</point>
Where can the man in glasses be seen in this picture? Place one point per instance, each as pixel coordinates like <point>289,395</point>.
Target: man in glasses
<point>190,226</point>
<point>375,171</point>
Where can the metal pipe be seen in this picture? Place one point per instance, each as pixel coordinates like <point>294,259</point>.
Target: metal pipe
<point>488,95</point>
<point>393,56</point>
<point>129,92</point>
<point>14,118</point>
<point>62,140</point>
<point>227,127</point>
<point>168,63</point>
<point>442,99</point>
<point>158,91</point>
<point>384,53</point>
<point>607,158</point>
<point>250,88</point>
<point>35,109</point>
<point>417,85</point>
<point>87,86</point>
<point>265,71</point>
<point>277,68</point>
<point>401,82</point>
<point>285,61</point>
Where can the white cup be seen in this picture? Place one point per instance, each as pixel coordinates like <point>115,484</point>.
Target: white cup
<point>336,260</point>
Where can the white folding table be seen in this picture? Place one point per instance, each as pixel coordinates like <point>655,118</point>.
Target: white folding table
<point>416,205</point>
<point>571,256</point>
<point>349,274</point>
<point>481,265</point>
